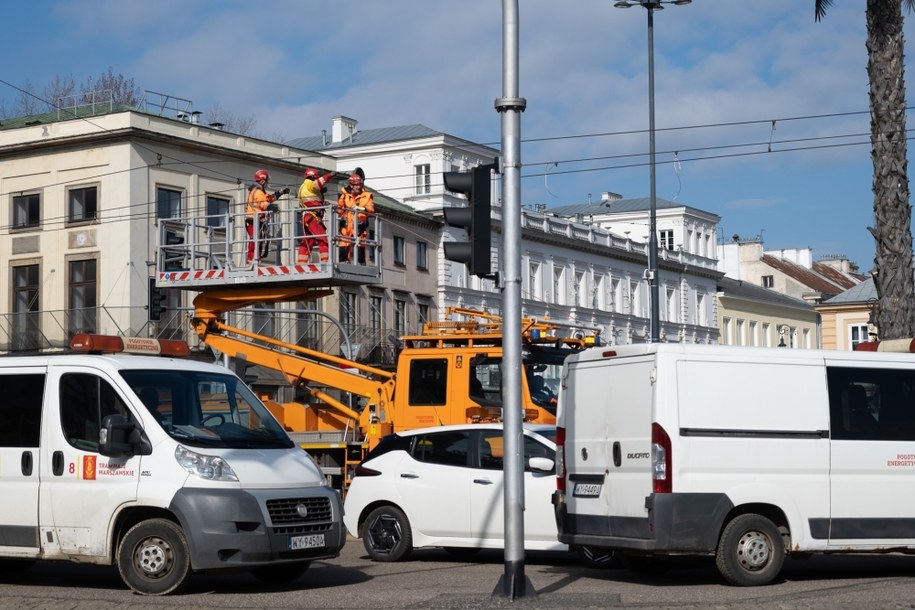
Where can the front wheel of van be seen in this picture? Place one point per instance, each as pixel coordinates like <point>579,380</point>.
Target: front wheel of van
<point>386,534</point>
<point>153,557</point>
<point>750,552</point>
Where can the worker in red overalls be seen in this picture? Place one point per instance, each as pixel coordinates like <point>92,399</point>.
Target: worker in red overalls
<point>353,207</point>
<point>314,231</point>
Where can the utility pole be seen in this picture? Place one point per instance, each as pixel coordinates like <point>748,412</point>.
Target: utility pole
<point>513,583</point>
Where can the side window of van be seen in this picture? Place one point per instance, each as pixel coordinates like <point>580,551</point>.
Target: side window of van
<point>20,410</point>
<point>84,401</point>
<point>871,404</point>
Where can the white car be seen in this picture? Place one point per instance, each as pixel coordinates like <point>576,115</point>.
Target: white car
<point>442,487</point>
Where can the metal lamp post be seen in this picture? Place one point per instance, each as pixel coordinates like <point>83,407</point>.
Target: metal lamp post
<point>654,296</point>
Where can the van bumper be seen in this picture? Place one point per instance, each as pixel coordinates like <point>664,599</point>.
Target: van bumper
<point>684,523</point>
<point>235,528</point>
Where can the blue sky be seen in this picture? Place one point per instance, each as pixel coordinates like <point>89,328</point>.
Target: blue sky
<point>724,71</point>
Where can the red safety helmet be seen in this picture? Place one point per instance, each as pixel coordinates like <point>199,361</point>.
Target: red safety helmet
<point>355,179</point>
<point>311,173</point>
<point>261,175</point>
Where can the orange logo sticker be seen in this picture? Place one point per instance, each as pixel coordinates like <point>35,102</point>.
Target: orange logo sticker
<point>88,469</point>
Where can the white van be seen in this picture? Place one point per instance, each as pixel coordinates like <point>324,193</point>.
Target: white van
<point>744,454</point>
<point>162,466</point>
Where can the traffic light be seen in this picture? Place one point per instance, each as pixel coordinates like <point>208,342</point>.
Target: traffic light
<point>242,369</point>
<point>476,185</point>
<point>157,299</point>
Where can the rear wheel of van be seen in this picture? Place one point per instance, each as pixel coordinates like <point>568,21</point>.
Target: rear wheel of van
<point>386,534</point>
<point>153,557</point>
<point>750,552</point>
<point>280,574</point>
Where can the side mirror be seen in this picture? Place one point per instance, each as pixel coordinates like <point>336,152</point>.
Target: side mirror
<point>541,464</point>
<point>120,437</point>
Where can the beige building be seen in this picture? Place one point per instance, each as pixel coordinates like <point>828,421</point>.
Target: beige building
<point>87,198</point>
<point>754,316</point>
<point>846,317</point>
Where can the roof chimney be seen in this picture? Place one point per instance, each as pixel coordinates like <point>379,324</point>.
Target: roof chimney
<point>343,128</point>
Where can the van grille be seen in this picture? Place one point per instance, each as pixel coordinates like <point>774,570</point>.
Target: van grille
<point>283,512</point>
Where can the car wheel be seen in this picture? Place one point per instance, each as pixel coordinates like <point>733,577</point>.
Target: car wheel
<point>280,574</point>
<point>386,534</point>
<point>596,557</point>
<point>751,551</point>
<point>153,557</point>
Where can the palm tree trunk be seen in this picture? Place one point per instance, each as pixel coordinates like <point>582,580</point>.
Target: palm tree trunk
<point>894,312</point>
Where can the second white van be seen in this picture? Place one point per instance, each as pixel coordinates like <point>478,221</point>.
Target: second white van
<point>744,454</point>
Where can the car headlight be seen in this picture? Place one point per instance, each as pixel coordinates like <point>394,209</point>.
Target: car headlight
<point>209,467</point>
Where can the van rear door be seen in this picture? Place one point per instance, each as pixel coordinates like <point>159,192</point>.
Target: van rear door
<point>607,415</point>
<point>22,389</point>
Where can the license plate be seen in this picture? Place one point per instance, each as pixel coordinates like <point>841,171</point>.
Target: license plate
<point>586,490</point>
<point>297,543</point>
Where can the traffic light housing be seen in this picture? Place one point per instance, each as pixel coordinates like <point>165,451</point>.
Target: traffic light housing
<point>157,298</point>
<point>243,370</point>
<point>476,185</point>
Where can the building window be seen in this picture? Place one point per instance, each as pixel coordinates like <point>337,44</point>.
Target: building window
<point>672,305</point>
<point>400,317</point>
<point>666,239</point>
<point>168,203</point>
<point>558,292</point>
<point>858,333</point>
<point>422,252</point>
<point>83,312</point>
<point>26,308</point>
<point>533,281</point>
<point>399,246</point>
<point>726,338</point>
<point>348,312</point>
<point>217,210</point>
<point>307,324</point>
<point>423,173</point>
<point>581,289</point>
<point>616,296</point>
<point>26,211</point>
<point>422,314</point>
<point>768,281</point>
<point>82,204</point>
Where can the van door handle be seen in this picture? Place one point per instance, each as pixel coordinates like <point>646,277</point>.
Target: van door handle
<point>27,463</point>
<point>482,481</point>
<point>617,454</point>
<point>57,463</point>
<point>409,475</point>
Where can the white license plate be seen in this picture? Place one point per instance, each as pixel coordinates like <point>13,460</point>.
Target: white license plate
<point>297,543</point>
<point>586,490</point>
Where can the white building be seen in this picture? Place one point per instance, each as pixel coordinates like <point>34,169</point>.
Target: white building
<point>578,270</point>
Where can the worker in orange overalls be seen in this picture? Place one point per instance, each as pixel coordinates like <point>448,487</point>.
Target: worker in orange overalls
<point>353,207</point>
<point>314,231</point>
<point>260,202</point>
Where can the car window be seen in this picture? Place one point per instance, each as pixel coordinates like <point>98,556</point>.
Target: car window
<point>389,443</point>
<point>447,448</point>
<point>491,450</point>
<point>85,400</point>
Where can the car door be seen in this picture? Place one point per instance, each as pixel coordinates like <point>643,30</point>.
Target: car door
<point>433,484</point>
<point>81,489</point>
<point>486,490</point>
<point>22,389</point>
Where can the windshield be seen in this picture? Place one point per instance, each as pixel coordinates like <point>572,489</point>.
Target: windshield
<point>542,371</point>
<point>207,409</point>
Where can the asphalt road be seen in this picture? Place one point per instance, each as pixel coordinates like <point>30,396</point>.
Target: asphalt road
<point>435,579</point>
